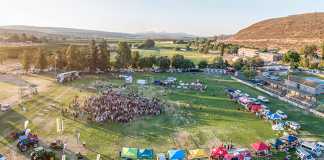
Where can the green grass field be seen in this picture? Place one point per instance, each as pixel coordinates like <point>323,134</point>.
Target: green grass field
<point>193,55</point>
<point>204,119</point>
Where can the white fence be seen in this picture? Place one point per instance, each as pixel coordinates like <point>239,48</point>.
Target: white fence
<point>317,113</point>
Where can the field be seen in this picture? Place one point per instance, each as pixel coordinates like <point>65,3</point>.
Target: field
<point>201,120</point>
<point>193,55</point>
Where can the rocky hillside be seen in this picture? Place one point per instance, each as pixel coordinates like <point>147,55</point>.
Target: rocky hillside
<point>285,32</point>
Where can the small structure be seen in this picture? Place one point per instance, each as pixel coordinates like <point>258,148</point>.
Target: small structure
<point>261,149</point>
<point>176,154</point>
<point>218,153</point>
<point>129,153</point>
<point>145,154</point>
<point>197,154</point>
<point>67,76</point>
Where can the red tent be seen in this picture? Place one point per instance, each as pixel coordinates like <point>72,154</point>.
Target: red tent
<point>219,152</point>
<point>255,107</point>
<point>260,146</point>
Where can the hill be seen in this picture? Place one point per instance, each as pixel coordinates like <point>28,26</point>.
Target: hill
<point>88,34</point>
<point>284,32</point>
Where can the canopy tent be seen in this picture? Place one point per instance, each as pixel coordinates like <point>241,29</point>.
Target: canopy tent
<point>197,154</point>
<point>260,146</point>
<point>277,143</point>
<point>275,117</point>
<point>244,100</point>
<point>131,153</point>
<point>219,152</point>
<point>160,156</point>
<point>145,154</point>
<point>292,138</point>
<point>255,107</point>
<point>176,154</point>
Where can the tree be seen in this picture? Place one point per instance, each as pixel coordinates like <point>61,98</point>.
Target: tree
<point>163,62</point>
<point>148,44</point>
<point>26,61</point>
<point>123,58</point>
<point>293,58</point>
<point>238,64</point>
<point>177,61</point>
<point>222,49</point>
<point>41,59</point>
<point>218,62</point>
<point>202,64</point>
<point>322,51</point>
<point>309,51</point>
<point>146,62</point>
<point>94,56</point>
<point>72,58</point>
<point>248,72</point>
<point>104,59</point>
<point>60,59</point>
<point>187,64</point>
<point>135,59</point>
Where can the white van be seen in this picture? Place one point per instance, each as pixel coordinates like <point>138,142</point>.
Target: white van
<point>312,147</point>
<point>303,155</point>
<point>321,145</point>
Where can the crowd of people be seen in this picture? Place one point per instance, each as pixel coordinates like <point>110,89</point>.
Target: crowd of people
<point>116,107</point>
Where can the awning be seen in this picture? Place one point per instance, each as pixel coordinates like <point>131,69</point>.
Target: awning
<point>129,153</point>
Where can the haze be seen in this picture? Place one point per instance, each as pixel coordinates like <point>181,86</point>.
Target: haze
<point>198,17</point>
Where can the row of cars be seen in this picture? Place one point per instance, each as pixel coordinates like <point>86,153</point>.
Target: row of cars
<point>305,150</point>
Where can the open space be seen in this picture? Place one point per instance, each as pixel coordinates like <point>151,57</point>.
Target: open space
<point>199,120</point>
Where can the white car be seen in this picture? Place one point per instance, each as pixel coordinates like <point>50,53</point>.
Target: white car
<point>293,125</point>
<point>321,144</point>
<point>2,157</point>
<point>304,155</point>
<point>263,99</point>
<point>4,107</point>
<point>282,114</point>
<point>312,147</point>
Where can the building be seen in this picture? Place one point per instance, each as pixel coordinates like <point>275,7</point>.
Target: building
<point>305,89</point>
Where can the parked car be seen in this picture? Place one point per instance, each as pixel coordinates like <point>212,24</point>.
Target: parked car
<point>4,107</point>
<point>293,125</point>
<point>263,99</point>
<point>282,114</point>
<point>312,148</point>
<point>321,144</point>
<point>303,155</point>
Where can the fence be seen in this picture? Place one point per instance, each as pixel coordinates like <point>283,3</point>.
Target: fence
<point>317,113</point>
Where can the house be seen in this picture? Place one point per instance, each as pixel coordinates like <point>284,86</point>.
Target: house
<point>305,89</point>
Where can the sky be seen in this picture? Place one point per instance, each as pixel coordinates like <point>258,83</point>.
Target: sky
<point>197,17</point>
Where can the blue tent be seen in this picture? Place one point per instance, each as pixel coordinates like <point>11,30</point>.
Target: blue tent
<point>145,154</point>
<point>291,138</point>
<point>176,154</point>
<point>277,143</point>
<point>275,116</point>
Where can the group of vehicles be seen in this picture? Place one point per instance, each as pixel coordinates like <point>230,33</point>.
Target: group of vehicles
<point>310,150</point>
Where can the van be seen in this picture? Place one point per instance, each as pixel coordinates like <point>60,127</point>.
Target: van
<point>303,155</point>
<point>321,145</point>
<point>312,147</point>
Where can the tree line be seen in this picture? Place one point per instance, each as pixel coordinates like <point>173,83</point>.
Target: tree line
<point>307,57</point>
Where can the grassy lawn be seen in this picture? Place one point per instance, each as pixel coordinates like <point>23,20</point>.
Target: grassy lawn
<point>204,119</point>
<point>7,90</point>
<point>187,54</point>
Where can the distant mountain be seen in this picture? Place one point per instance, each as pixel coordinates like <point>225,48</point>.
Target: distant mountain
<point>286,32</point>
<point>83,33</point>
<point>165,35</point>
